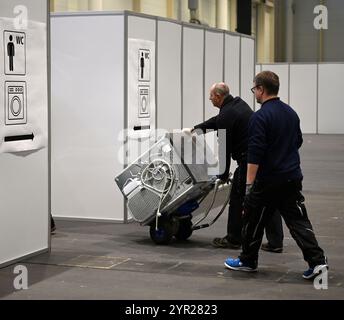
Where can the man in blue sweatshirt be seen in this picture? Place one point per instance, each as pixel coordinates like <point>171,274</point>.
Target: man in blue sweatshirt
<point>274,179</point>
<point>233,118</point>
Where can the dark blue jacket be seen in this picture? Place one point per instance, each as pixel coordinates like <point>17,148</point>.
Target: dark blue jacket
<point>274,141</point>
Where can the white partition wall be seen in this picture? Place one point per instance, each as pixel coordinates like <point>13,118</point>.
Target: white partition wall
<point>214,47</point>
<point>193,74</point>
<point>141,28</point>
<point>87,115</point>
<point>213,68</point>
<point>303,97</point>
<point>140,85</point>
<point>122,72</point>
<point>141,35</point>
<point>247,70</point>
<point>24,153</point>
<point>331,110</point>
<point>169,89</point>
<point>258,68</point>
<point>282,70</point>
<point>315,94</point>
<point>256,104</point>
<point>232,63</point>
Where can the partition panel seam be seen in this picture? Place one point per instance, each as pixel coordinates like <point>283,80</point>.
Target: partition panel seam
<point>240,67</point>
<point>156,73</point>
<point>49,123</point>
<point>125,105</point>
<point>224,57</point>
<point>317,104</point>
<point>204,57</point>
<point>182,77</point>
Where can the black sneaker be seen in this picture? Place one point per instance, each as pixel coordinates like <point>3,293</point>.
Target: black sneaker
<point>267,247</point>
<point>225,243</point>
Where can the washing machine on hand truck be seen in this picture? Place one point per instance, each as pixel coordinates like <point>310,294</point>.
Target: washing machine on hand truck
<point>166,185</point>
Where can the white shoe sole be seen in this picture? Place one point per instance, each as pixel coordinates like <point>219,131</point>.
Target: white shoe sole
<point>245,269</point>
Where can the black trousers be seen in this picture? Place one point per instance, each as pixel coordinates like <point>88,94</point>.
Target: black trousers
<point>274,229</point>
<point>263,200</point>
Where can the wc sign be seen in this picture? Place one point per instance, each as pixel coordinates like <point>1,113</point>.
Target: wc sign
<point>144,65</point>
<point>15,52</point>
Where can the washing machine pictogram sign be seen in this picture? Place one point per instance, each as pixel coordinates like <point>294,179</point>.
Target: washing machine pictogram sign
<point>144,102</point>
<point>15,103</point>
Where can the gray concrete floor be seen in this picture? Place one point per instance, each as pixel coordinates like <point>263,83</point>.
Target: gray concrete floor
<point>115,261</point>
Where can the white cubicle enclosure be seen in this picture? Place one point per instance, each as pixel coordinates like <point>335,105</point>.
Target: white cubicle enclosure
<point>213,68</point>
<point>258,69</point>
<point>169,72</point>
<point>193,76</point>
<point>24,146</point>
<point>87,80</point>
<point>232,63</point>
<point>115,71</point>
<point>247,72</point>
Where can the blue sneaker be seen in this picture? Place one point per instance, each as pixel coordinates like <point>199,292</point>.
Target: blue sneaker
<point>236,264</point>
<point>311,273</point>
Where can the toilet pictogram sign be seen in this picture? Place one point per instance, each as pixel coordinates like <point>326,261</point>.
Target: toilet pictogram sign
<point>144,65</point>
<point>15,52</point>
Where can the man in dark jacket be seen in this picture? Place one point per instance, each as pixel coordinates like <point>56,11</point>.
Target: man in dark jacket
<point>274,179</point>
<point>233,118</point>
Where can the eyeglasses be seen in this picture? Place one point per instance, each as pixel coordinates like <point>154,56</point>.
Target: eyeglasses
<point>252,89</point>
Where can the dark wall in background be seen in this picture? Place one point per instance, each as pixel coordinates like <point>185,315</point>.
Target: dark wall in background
<point>308,44</point>
<point>244,16</point>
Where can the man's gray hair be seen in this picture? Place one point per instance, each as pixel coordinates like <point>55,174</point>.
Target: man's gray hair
<point>221,89</point>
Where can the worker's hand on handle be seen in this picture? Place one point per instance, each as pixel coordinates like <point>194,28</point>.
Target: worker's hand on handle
<point>248,188</point>
<point>187,131</point>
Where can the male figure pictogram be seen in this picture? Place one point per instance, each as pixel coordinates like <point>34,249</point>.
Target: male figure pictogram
<point>11,52</point>
<point>142,65</point>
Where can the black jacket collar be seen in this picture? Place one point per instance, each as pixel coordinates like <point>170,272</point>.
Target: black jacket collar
<point>227,100</point>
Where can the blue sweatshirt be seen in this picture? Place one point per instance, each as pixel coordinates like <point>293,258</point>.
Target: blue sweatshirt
<point>274,141</point>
